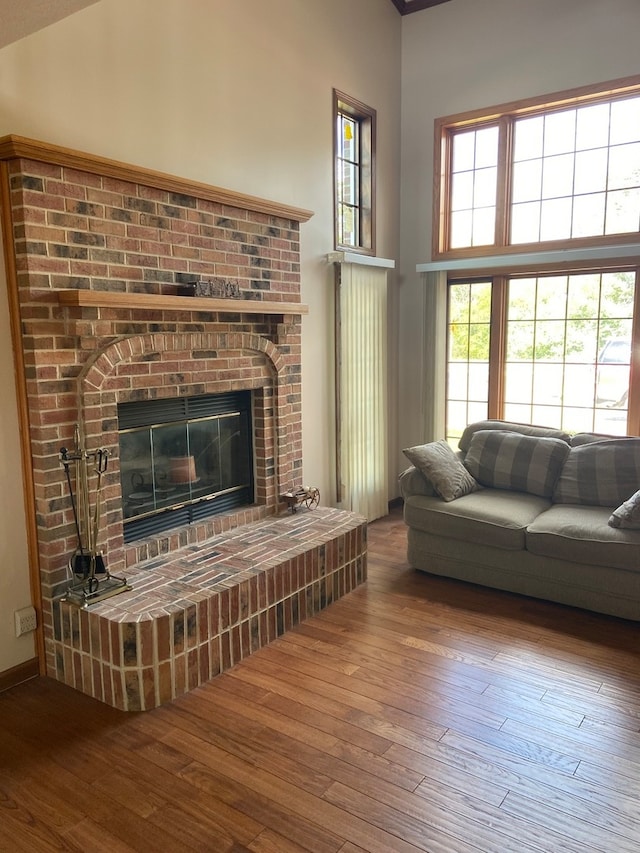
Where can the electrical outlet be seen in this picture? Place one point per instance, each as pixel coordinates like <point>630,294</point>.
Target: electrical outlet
<point>26,621</point>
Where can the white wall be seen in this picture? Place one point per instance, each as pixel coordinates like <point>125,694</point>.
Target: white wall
<point>465,55</point>
<point>236,94</point>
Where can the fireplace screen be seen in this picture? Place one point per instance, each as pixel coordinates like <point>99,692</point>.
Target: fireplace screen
<point>184,459</point>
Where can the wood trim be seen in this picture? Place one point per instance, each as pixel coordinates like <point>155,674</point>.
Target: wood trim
<point>441,189</point>
<point>595,264</point>
<point>633,410</point>
<point>572,244</point>
<point>23,410</point>
<point>13,147</point>
<point>337,273</point>
<point>503,186</point>
<point>608,89</point>
<point>498,343</point>
<point>160,302</point>
<point>19,674</point>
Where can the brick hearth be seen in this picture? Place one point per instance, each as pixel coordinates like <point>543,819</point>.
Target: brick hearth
<point>200,610</point>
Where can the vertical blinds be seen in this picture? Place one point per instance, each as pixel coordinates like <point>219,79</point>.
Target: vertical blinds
<point>362,389</point>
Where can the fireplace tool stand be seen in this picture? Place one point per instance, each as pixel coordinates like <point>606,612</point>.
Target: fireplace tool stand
<point>89,579</point>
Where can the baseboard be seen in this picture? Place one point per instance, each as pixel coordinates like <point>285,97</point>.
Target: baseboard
<point>17,674</point>
<point>396,503</point>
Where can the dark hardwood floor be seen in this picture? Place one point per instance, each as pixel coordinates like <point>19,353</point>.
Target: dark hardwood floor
<point>416,714</point>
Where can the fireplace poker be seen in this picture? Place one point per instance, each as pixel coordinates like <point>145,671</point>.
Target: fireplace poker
<point>97,562</point>
<point>82,487</point>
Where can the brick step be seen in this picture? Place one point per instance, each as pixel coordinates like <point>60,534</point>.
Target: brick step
<point>196,612</point>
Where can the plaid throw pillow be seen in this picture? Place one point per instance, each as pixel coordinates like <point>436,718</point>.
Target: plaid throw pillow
<point>603,473</point>
<point>442,468</point>
<point>522,463</point>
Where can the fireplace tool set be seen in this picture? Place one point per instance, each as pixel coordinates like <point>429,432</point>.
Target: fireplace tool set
<point>89,579</point>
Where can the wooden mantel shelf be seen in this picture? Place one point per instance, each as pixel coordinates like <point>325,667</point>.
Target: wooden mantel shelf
<point>159,302</point>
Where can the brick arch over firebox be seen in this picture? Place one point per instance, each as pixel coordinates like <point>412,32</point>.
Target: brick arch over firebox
<point>101,366</point>
<point>165,364</point>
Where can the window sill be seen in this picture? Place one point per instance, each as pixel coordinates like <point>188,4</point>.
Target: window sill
<point>558,258</point>
<point>355,258</point>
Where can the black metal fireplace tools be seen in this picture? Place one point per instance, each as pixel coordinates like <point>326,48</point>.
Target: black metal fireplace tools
<point>89,578</point>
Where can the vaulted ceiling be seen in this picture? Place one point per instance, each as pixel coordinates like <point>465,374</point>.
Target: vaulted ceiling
<point>20,18</point>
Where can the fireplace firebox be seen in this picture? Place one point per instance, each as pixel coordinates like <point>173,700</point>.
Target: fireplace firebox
<point>184,459</point>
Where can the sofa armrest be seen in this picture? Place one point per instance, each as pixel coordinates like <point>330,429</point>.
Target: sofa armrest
<point>413,482</point>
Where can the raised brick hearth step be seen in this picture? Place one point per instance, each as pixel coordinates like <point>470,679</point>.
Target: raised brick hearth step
<point>198,611</point>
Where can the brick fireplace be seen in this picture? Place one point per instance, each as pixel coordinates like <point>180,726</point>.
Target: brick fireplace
<point>97,255</point>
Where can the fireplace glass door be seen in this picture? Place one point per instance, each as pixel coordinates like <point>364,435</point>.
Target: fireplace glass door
<point>184,459</point>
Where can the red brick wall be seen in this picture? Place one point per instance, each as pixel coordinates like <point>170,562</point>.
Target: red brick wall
<point>88,231</point>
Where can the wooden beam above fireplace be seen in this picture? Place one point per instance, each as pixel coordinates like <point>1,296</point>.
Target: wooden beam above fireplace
<point>159,302</point>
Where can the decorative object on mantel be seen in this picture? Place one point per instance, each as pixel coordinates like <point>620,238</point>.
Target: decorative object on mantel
<point>308,496</point>
<point>214,288</point>
<point>89,579</point>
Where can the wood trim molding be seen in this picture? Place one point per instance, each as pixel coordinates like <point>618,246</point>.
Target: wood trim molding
<point>6,223</point>
<point>18,674</point>
<point>15,147</point>
<point>159,302</point>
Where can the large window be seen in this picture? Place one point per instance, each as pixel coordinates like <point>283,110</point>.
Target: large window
<point>547,349</point>
<point>533,336</point>
<point>563,169</point>
<point>354,175</point>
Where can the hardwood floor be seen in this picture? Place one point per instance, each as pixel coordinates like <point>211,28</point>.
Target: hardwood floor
<point>416,714</point>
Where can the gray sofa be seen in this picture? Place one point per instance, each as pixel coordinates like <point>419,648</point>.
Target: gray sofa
<point>531,510</point>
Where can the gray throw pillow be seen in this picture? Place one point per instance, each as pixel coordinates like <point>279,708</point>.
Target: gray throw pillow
<point>522,463</point>
<point>441,466</point>
<point>627,514</point>
<point>603,473</point>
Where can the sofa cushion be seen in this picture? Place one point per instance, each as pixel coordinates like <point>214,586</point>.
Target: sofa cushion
<point>627,515</point>
<point>602,473</point>
<point>490,517</point>
<point>509,460</point>
<point>510,426</point>
<point>581,534</point>
<point>439,464</point>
